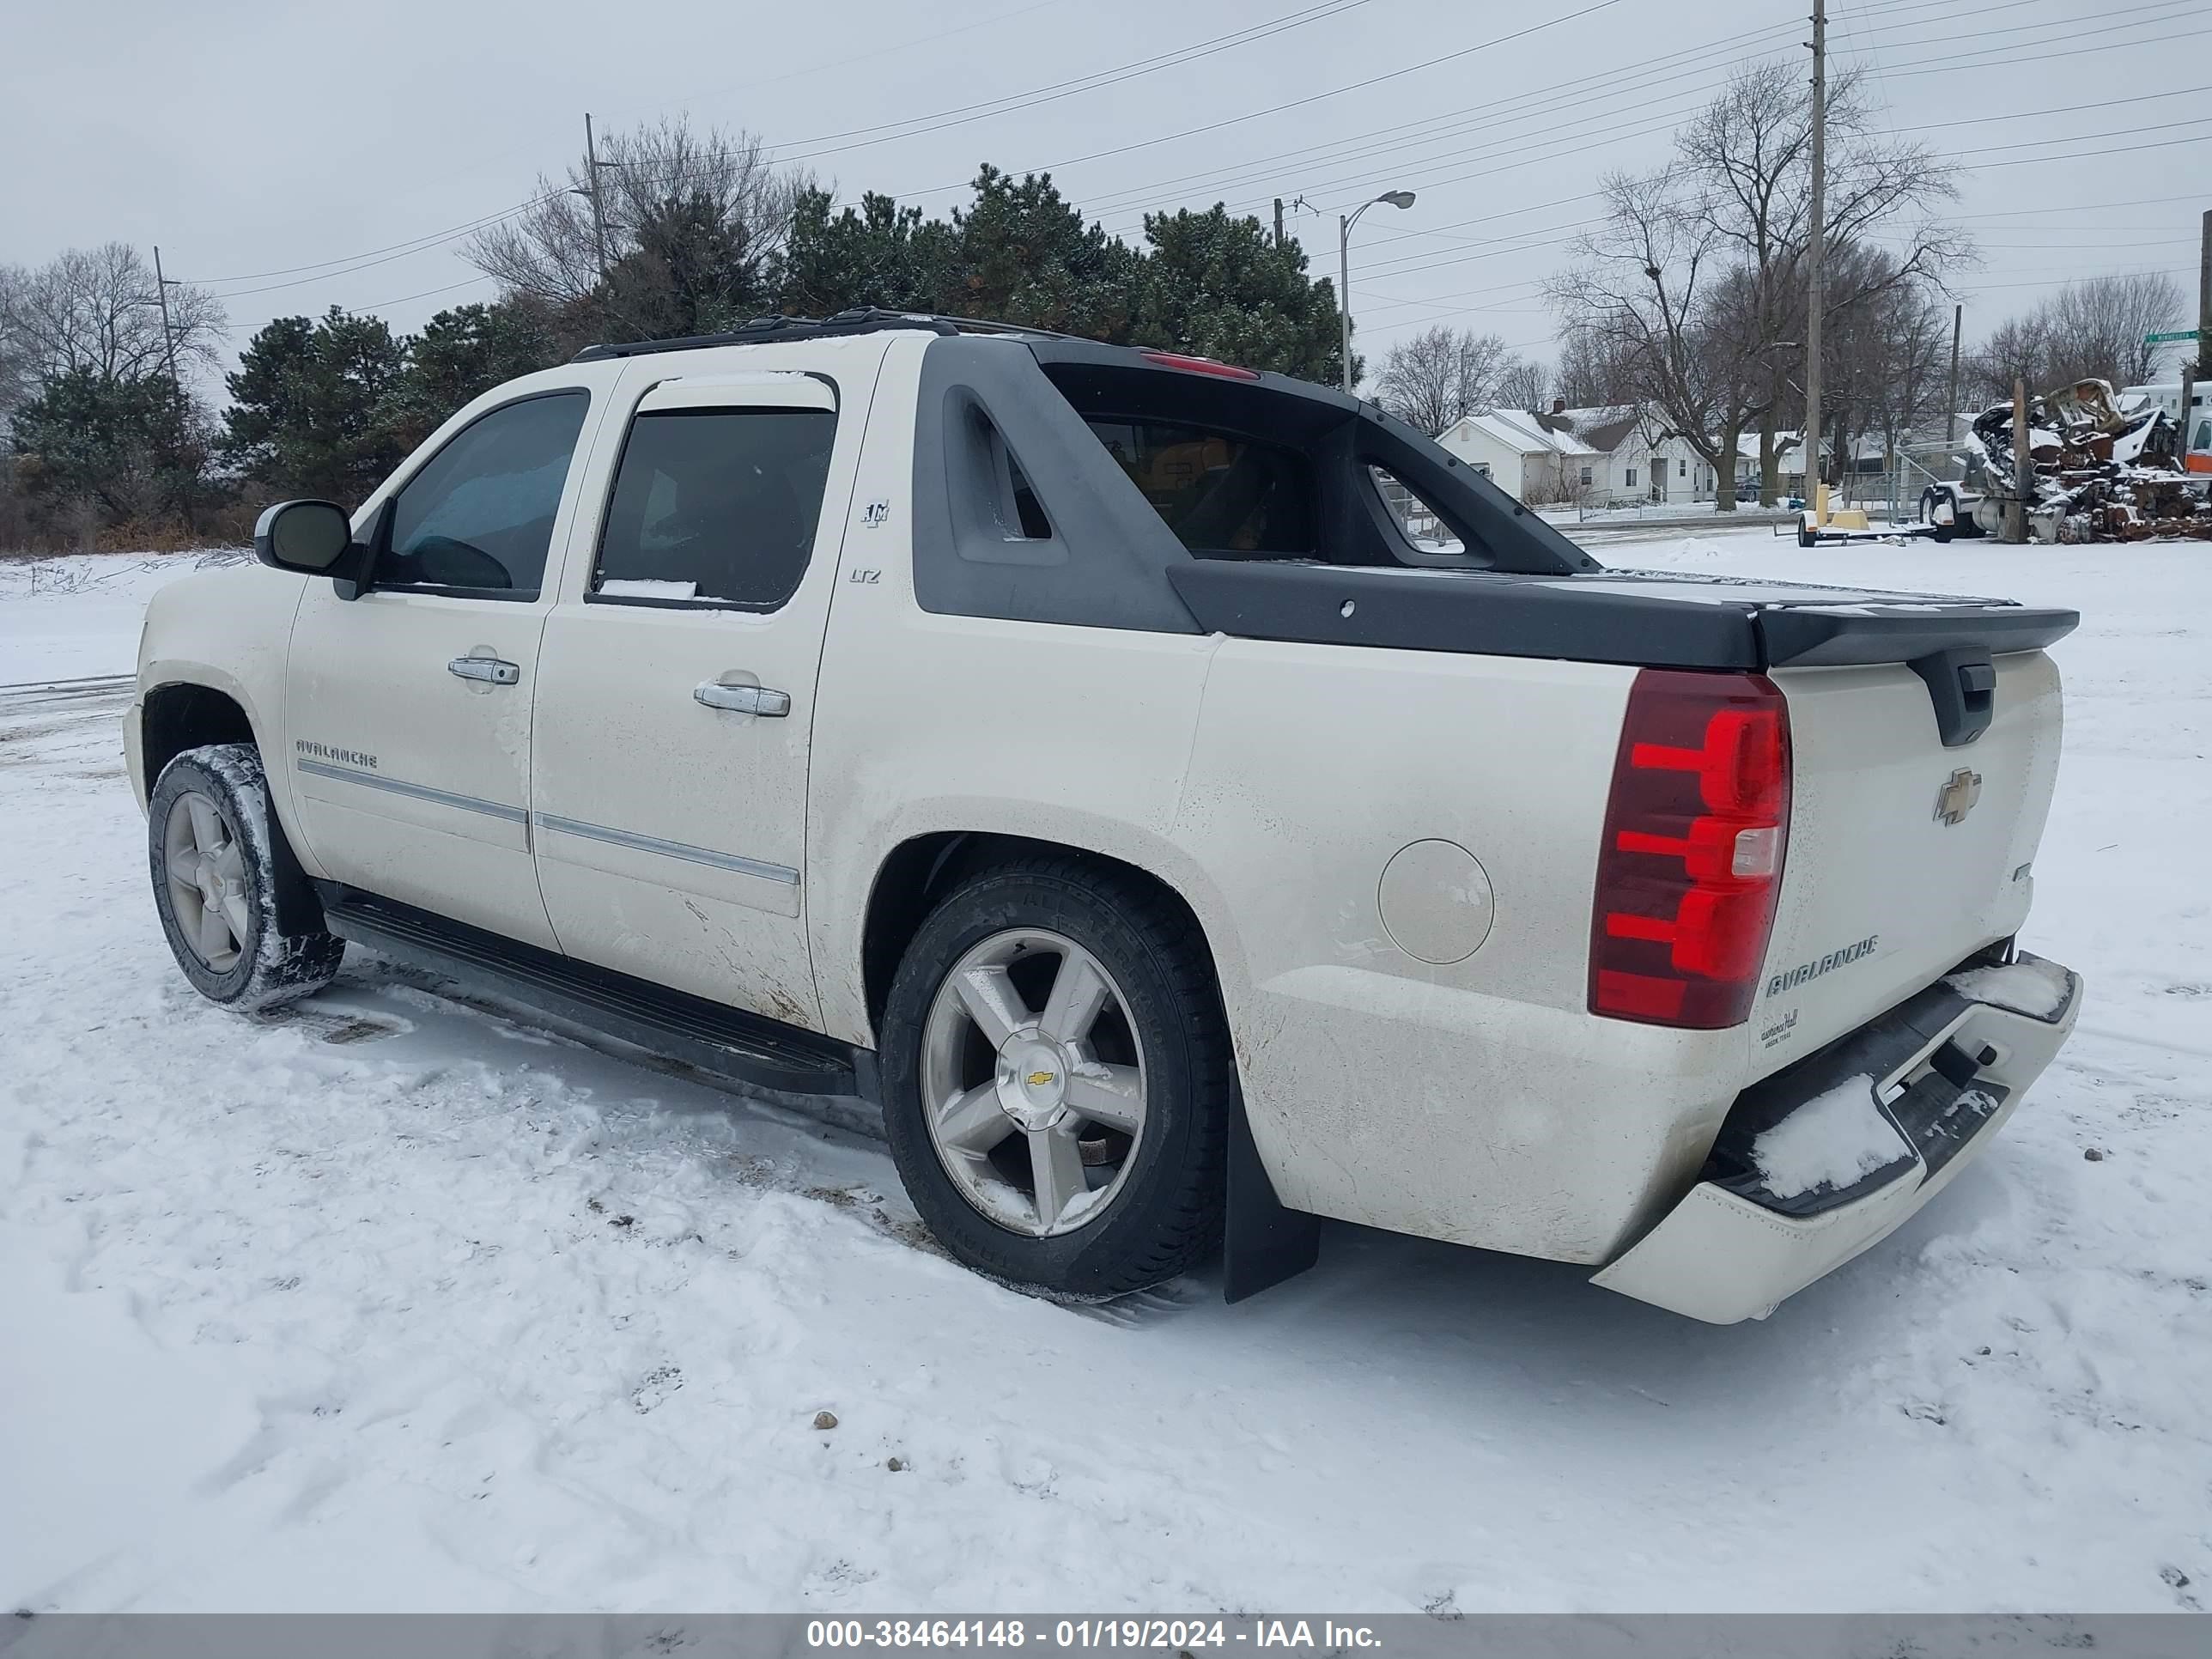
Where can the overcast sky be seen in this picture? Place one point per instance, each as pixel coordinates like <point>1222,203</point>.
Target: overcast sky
<point>251,136</point>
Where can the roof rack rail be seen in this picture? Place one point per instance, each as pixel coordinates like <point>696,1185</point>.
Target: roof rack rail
<point>860,320</point>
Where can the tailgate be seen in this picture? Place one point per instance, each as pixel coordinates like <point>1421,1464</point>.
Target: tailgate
<point>1905,856</point>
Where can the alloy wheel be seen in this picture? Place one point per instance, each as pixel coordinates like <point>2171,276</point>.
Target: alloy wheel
<point>206,872</point>
<point>1033,1081</point>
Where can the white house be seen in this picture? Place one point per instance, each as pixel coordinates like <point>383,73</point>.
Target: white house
<point>1602,457</point>
<point>1639,460</point>
<point>1526,454</point>
<point>1787,459</point>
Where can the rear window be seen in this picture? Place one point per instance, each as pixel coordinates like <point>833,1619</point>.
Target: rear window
<point>1240,467</point>
<point>1217,490</point>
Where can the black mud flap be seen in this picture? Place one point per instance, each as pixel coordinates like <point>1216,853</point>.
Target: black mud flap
<point>1264,1240</point>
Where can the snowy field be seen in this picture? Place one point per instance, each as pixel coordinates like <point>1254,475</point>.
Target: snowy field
<point>75,618</point>
<point>397,1303</point>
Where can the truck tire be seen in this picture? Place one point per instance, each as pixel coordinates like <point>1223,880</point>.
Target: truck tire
<point>1058,1079</point>
<point>241,918</point>
<point>1929,501</point>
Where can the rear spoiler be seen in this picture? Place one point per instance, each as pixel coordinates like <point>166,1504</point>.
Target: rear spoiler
<point>1816,636</point>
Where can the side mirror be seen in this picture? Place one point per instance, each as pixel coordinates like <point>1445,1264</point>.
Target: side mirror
<point>309,537</point>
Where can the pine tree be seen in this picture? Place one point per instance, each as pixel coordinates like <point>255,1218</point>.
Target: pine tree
<point>463,353</point>
<point>1221,287</point>
<point>1025,256</point>
<point>881,255</point>
<point>311,408</point>
<point>131,446</point>
<point>695,270</point>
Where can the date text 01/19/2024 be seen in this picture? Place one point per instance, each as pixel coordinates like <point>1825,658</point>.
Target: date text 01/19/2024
<point>1169,1634</point>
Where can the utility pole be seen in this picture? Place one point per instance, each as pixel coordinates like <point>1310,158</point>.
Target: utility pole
<point>1278,223</point>
<point>176,385</point>
<point>1816,296</point>
<point>2023,467</point>
<point>168,334</point>
<point>2204,366</point>
<point>1344,291</point>
<point>598,212</point>
<point>1951,389</point>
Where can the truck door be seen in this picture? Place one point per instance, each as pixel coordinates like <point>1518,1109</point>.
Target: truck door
<point>409,708</point>
<point>676,689</point>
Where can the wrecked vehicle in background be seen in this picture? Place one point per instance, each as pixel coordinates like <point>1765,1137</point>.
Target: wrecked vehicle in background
<point>2098,474</point>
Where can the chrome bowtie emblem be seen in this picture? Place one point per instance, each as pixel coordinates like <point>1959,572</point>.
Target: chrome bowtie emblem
<point>1958,796</point>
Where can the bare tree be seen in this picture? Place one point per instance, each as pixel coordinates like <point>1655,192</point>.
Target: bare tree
<point>16,377</point>
<point>2105,323</point>
<point>557,251</point>
<point>1655,292</point>
<point>1525,383</point>
<point>1748,155</point>
<point>2090,329</point>
<point>1436,377</point>
<point>1886,349</point>
<point>1592,372</point>
<point>2017,350</point>
<point>1710,250</point>
<point>98,311</point>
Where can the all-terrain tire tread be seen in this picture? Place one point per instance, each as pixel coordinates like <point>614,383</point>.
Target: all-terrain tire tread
<point>282,966</point>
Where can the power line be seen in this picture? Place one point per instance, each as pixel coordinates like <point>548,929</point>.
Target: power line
<point>1399,172</point>
<point>883,51</point>
<point>1360,181</point>
<point>449,288</point>
<point>1950,63</point>
<point>1907,13</point>
<point>1638,77</point>
<point>1518,107</point>
<point>1297,103</point>
<point>1013,101</point>
<point>964,114</point>
<point>320,271</point>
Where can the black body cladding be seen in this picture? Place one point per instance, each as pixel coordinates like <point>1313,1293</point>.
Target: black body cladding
<point>1506,616</point>
<point>1020,513</point>
<point>999,419</point>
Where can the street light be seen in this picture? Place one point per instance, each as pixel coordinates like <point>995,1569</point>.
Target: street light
<point>1396,199</point>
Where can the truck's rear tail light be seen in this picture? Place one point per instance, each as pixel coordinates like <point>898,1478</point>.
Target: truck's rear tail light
<point>1691,859</point>
<point>1201,365</point>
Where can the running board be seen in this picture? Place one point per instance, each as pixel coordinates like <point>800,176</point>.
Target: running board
<point>818,1075</point>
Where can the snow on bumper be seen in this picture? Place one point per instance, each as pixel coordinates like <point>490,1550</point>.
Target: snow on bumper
<point>1819,1162</point>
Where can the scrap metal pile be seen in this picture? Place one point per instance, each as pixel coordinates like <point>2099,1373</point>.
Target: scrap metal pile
<point>2098,475</point>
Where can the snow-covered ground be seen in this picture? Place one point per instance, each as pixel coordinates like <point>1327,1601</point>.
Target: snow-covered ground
<point>77,616</point>
<point>396,1303</point>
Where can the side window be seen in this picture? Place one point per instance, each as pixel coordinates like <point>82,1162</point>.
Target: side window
<point>1415,517</point>
<point>715,506</point>
<point>479,515</point>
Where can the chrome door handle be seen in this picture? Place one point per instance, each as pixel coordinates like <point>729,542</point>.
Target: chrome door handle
<point>490,669</point>
<point>745,699</point>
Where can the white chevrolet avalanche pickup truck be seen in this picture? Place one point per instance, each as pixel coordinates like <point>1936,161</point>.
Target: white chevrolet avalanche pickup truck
<point>1170,804</point>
